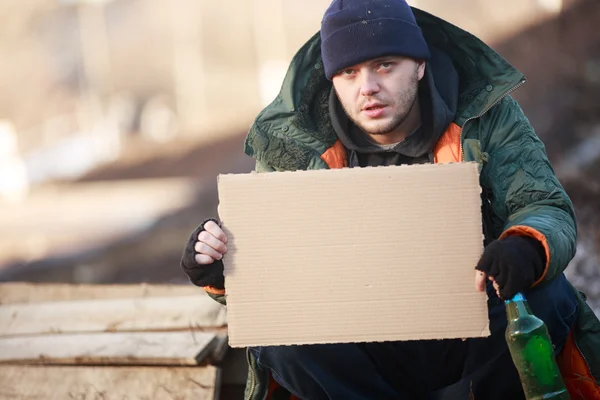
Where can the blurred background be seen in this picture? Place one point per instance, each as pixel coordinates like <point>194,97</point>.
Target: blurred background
<point>116,116</point>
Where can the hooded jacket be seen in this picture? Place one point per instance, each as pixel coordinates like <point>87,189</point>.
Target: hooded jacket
<point>520,192</point>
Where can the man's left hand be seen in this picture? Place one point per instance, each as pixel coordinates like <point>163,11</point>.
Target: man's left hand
<point>513,264</point>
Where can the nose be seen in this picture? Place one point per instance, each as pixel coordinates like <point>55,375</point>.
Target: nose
<point>369,84</point>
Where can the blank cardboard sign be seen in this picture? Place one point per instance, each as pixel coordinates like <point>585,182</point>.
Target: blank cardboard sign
<point>353,255</point>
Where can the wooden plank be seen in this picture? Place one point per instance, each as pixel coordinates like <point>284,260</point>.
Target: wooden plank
<point>109,383</point>
<point>117,315</point>
<point>138,348</point>
<point>25,292</point>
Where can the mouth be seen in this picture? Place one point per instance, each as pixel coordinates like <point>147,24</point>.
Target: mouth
<point>374,110</point>
<point>373,107</point>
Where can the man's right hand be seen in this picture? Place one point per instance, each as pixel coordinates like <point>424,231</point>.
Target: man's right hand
<point>211,244</point>
<point>203,254</point>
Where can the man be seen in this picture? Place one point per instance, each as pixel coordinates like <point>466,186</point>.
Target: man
<point>386,85</point>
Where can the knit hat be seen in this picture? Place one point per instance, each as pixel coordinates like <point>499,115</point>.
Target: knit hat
<point>354,31</point>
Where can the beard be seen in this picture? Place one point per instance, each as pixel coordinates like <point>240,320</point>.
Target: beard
<point>403,102</point>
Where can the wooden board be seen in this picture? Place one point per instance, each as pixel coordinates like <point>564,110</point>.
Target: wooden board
<point>152,313</point>
<point>139,348</point>
<point>109,383</point>
<point>24,292</point>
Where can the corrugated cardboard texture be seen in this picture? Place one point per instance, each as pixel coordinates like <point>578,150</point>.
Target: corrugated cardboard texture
<point>353,255</point>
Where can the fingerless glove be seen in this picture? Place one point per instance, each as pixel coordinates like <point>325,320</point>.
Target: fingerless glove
<point>515,263</point>
<point>201,275</point>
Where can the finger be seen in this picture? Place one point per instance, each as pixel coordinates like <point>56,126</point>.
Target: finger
<point>480,277</point>
<point>207,238</point>
<point>215,230</point>
<point>203,248</point>
<point>202,259</point>
<point>497,288</point>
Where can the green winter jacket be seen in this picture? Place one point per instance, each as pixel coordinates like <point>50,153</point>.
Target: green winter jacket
<point>521,193</point>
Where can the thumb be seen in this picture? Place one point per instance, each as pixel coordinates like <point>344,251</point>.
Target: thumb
<point>480,280</point>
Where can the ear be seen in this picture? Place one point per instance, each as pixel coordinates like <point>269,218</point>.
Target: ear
<point>421,68</point>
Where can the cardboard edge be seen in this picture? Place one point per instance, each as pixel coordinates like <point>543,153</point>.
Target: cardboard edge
<point>232,176</point>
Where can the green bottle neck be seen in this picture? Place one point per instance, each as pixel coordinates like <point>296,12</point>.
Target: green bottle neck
<point>517,307</point>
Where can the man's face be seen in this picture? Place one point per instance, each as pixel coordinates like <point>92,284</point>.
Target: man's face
<point>379,95</point>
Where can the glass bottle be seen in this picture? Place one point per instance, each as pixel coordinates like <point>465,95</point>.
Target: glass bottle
<point>532,352</point>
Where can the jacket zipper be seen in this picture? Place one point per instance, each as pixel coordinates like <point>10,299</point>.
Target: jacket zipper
<point>252,377</point>
<point>509,91</point>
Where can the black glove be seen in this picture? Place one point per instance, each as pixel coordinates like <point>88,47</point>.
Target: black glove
<point>515,263</point>
<point>201,275</point>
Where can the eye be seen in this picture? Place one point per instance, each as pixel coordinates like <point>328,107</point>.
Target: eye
<point>347,72</point>
<point>385,65</point>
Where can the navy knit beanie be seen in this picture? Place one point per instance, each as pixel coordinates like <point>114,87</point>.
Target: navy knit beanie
<point>353,31</point>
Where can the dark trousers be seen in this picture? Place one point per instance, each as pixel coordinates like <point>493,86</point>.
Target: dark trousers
<point>432,369</point>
